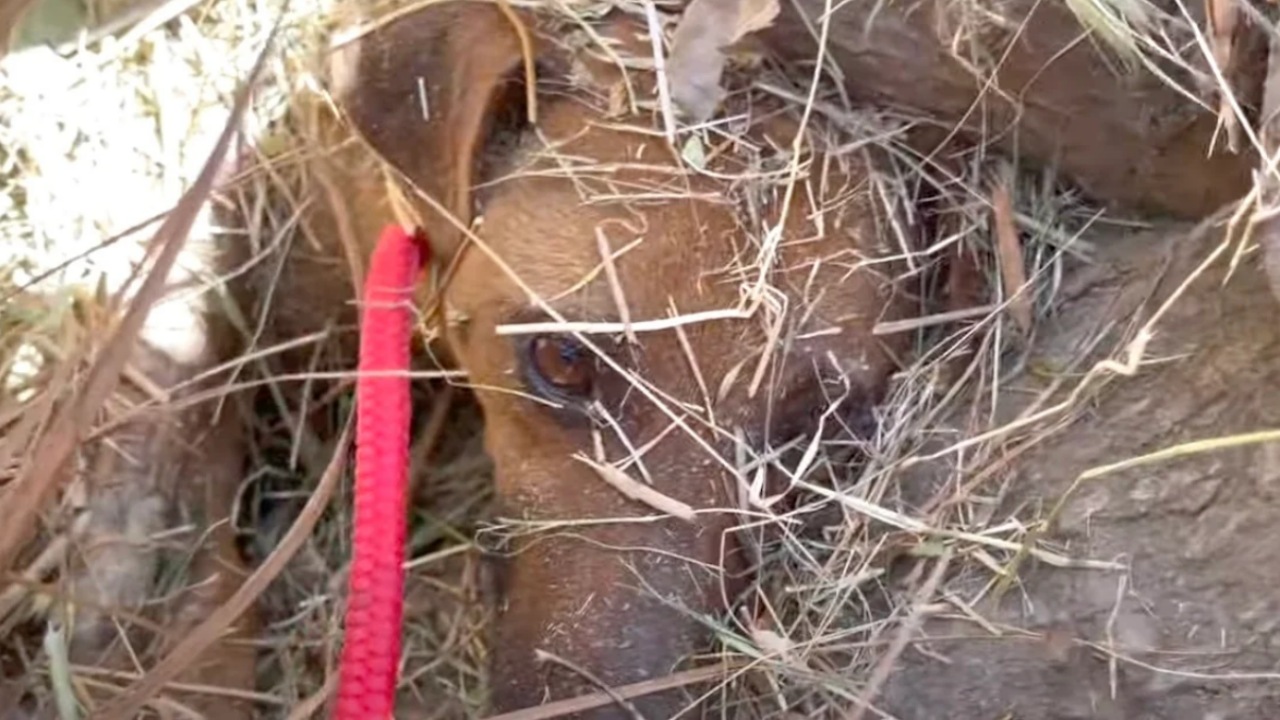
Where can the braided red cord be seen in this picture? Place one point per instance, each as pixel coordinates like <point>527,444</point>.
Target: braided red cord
<point>371,649</point>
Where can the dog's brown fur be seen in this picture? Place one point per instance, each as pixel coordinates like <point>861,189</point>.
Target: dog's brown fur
<point>607,596</point>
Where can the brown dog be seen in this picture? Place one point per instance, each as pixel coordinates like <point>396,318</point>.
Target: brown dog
<point>642,266</point>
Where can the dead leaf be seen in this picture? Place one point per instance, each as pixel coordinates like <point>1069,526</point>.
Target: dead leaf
<point>1012,269</point>
<point>697,59</point>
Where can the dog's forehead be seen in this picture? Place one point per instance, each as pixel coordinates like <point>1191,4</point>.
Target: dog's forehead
<point>602,261</point>
<point>589,218</point>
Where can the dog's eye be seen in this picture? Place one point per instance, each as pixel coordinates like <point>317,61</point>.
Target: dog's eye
<point>560,368</point>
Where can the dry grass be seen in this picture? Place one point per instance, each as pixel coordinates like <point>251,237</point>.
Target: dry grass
<point>127,119</point>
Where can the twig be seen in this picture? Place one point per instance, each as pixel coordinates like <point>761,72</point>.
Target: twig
<point>905,632</point>
<point>309,706</point>
<point>530,62</point>
<point>918,323</point>
<point>1012,269</point>
<point>660,70</point>
<point>583,703</point>
<point>615,285</point>
<point>637,491</point>
<point>55,647</point>
<point>613,328</point>
<point>544,656</point>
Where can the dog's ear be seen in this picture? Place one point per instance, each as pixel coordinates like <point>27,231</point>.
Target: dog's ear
<point>428,92</point>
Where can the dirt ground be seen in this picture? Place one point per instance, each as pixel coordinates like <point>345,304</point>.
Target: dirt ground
<point>1187,628</point>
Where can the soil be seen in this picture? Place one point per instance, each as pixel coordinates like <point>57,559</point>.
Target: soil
<point>1191,627</point>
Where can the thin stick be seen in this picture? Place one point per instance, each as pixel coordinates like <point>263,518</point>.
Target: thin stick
<point>530,67</point>
<point>611,328</point>
<point>544,656</point>
<point>910,324</point>
<point>905,631</point>
<point>311,705</point>
<point>583,703</point>
<point>660,69</point>
<point>615,285</point>
<point>1011,261</point>
<point>638,491</point>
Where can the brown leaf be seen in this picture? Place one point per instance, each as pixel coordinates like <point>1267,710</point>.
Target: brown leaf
<point>1012,270</point>
<point>697,60</point>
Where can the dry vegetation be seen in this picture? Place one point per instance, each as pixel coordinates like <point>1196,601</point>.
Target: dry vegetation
<point>103,132</point>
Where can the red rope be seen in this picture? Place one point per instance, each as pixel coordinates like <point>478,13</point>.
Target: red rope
<point>371,649</point>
